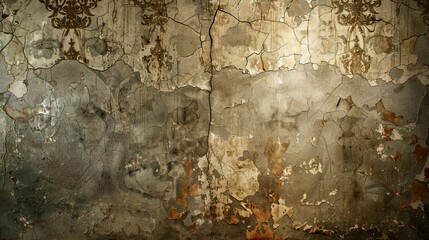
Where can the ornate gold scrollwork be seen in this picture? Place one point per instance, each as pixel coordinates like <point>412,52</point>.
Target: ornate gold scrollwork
<point>154,16</point>
<point>424,5</point>
<point>67,15</point>
<point>73,54</point>
<point>357,15</point>
<point>356,60</point>
<point>70,14</point>
<point>154,13</point>
<point>356,12</point>
<point>159,58</point>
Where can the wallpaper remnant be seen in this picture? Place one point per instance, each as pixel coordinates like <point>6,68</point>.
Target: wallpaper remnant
<point>217,119</point>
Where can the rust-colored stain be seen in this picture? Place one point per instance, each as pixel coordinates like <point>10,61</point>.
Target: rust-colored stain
<point>174,215</point>
<point>419,191</point>
<point>420,153</point>
<point>187,189</point>
<point>275,162</point>
<point>413,139</point>
<point>387,131</point>
<point>261,232</point>
<point>233,219</point>
<point>388,115</point>
<point>262,229</point>
<point>272,194</point>
<point>193,228</point>
<point>403,204</point>
<point>398,155</point>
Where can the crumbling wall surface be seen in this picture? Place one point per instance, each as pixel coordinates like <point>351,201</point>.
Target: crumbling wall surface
<point>214,119</point>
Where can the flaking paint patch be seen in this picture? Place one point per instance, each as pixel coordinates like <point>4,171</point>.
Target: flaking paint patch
<point>312,166</point>
<point>279,210</point>
<point>241,176</point>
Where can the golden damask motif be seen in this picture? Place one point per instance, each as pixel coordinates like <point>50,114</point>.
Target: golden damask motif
<point>357,15</point>
<point>424,5</point>
<point>70,14</point>
<point>356,60</point>
<point>73,54</point>
<point>154,16</point>
<point>154,12</point>
<point>159,59</point>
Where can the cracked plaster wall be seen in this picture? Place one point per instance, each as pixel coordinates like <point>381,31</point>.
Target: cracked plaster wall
<point>217,119</point>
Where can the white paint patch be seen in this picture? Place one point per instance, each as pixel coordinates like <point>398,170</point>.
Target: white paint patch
<point>381,152</point>
<point>312,166</point>
<point>286,173</point>
<point>18,88</point>
<point>417,204</point>
<point>395,135</point>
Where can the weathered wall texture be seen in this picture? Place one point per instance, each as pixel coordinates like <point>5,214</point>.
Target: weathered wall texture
<point>214,119</point>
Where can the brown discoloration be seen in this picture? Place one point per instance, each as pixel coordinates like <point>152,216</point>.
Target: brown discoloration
<point>15,114</point>
<point>413,139</point>
<point>388,44</point>
<point>193,228</point>
<point>187,189</point>
<point>398,156</point>
<point>272,194</point>
<point>174,215</point>
<point>388,115</point>
<point>420,153</point>
<point>233,219</point>
<point>387,131</point>
<point>427,174</point>
<point>419,191</point>
<point>275,162</point>
<point>403,204</point>
<point>275,165</point>
<point>262,229</point>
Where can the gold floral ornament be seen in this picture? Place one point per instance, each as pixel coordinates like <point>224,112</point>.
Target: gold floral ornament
<point>356,60</point>
<point>159,60</point>
<point>70,14</point>
<point>73,54</point>
<point>424,5</point>
<point>357,15</point>
<point>154,13</point>
<point>154,16</point>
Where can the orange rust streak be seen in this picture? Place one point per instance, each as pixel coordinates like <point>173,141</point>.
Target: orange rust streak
<point>275,162</point>
<point>174,215</point>
<point>387,131</point>
<point>233,220</point>
<point>388,115</point>
<point>262,231</point>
